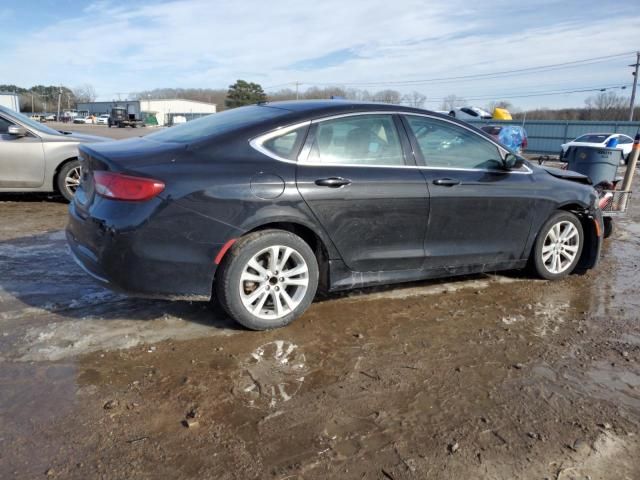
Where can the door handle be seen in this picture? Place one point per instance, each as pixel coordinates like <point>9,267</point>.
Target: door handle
<point>446,182</point>
<point>332,182</point>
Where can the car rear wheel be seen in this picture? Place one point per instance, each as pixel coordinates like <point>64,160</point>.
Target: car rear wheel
<point>267,279</point>
<point>558,246</point>
<point>69,179</point>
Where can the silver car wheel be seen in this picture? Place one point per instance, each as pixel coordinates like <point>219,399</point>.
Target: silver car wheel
<point>274,282</point>
<point>72,180</point>
<point>560,247</point>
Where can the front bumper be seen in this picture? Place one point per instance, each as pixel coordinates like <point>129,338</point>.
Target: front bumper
<point>593,226</point>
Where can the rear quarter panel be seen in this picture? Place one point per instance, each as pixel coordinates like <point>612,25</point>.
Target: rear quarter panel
<point>234,189</point>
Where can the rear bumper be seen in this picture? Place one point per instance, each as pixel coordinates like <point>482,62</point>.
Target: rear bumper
<point>146,252</point>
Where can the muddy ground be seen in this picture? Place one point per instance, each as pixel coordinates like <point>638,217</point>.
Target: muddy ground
<point>491,376</point>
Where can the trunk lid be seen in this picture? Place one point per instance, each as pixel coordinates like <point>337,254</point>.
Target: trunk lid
<point>125,156</point>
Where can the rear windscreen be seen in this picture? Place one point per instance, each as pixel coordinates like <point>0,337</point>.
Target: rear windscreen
<point>217,123</point>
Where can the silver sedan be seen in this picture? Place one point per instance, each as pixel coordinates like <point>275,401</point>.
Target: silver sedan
<point>37,158</point>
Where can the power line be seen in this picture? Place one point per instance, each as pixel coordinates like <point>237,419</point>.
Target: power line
<point>533,94</point>
<point>552,92</point>
<point>519,71</point>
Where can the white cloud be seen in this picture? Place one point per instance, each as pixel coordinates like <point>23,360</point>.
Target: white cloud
<point>201,43</point>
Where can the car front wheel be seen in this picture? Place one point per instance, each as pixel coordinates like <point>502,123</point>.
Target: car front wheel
<point>558,246</point>
<point>267,280</point>
<point>69,179</point>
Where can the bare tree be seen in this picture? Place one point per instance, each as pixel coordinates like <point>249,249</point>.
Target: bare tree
<point>607,106</point>
<point>282,94</point>
<point>387,96</point>
<point>506,104</point>
<point>452,101</point>
<point>85,93</point>
<point>326,92</point>
<point>414,99</point>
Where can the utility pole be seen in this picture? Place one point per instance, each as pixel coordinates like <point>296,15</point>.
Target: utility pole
<point>635,83</point>
<point>297,84</point>
<point>32,103</point>
<point>59,98</point>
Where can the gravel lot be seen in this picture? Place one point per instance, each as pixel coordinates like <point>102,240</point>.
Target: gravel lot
<point>104,130</point>
<point>482,377</point>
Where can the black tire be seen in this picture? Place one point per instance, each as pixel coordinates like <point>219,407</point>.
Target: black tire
<point>608,226</point>
<point>452,114</point>
<point>227,282</point>
<point>538,262</point>
<point>62,175</point>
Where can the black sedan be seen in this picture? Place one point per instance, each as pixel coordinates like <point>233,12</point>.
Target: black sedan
<point>264,205</point>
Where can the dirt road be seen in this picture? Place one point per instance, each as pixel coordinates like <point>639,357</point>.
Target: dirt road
<point>495,377</point>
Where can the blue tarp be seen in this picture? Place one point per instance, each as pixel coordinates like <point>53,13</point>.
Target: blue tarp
<point>512,136</point>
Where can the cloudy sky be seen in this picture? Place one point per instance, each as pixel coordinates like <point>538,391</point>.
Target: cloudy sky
<point>127,46</point>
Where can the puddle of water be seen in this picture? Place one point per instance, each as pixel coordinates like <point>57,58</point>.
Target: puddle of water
<point>603,380</point>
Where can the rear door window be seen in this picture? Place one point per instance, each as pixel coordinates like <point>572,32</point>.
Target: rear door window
<point>357,140</point>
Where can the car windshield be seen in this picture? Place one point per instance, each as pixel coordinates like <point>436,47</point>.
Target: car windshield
<point>218,123</point>
<point>28,122</point>
<point>593,138</point>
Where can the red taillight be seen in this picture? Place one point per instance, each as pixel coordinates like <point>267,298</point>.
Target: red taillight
<point>126,187</point>
<point>524,143</point>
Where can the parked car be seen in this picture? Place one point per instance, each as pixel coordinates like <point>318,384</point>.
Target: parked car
<point>102,119</point>
<point>85,120</point>
<point>36,158</point>
<point>267,203</point>
<point>470,113</point>
<point>51,117</point>
<point>625,143</point>
<point>514,137</point>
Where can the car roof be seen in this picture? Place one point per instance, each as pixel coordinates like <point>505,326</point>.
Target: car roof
<point>322,107</point>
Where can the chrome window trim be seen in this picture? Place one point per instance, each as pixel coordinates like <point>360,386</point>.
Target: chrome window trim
<point>257,142</point>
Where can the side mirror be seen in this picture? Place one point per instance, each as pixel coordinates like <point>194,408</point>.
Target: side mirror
<point>17,131</point>
<point>511,161</point>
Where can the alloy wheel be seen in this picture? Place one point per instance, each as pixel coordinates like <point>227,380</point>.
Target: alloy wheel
<point>274,282</point>
<point>560,247</point>
<point>72,180</point>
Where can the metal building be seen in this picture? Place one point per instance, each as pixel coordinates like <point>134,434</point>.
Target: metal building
<point>164,110</point>
<point>10,100</point>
